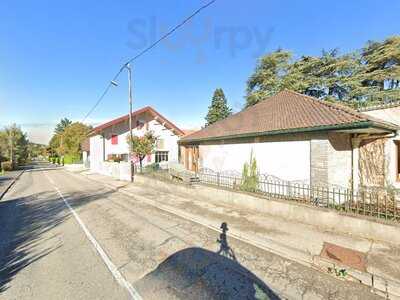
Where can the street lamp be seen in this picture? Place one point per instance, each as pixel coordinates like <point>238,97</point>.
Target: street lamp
<point>113,82</point>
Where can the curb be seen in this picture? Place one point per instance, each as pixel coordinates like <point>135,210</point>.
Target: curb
<point>11,184</point>
<point>381,286</point>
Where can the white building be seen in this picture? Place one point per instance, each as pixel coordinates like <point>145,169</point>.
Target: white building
<point>108,142</point>
<point>301,139</point>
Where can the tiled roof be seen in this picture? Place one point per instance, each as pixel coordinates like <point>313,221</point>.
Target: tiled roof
<point>152,111</point>
<point>282,112</point>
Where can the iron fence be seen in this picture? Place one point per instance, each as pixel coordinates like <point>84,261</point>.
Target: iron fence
<point>375,202</point>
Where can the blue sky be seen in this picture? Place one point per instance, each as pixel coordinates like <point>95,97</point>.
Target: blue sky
<point>57,56</point>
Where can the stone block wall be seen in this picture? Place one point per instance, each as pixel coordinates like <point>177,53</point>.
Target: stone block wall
<point>331,160</point>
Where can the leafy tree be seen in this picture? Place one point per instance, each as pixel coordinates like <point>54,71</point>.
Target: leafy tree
<point>360,77</point>
<point>13,145</point>
<point>68,141</point>
<point>62,125</point>
<point>268,77</point>
<point>382,68</point>
<point>142,146</point>
<point>72,138</point>
<point>219,109</point>
<point>54,145</point>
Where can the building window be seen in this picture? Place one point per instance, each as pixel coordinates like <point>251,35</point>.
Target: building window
<point>139,124</point>
<point>114,139</point>
<point>161,156</point>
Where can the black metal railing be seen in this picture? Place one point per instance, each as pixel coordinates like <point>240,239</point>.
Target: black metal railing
<point>375,202</point>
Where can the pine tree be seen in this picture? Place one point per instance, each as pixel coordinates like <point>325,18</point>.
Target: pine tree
<point>219,109</point>
<point>381,74</point>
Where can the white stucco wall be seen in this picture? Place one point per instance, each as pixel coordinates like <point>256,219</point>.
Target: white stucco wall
<point>170,143</point>
<point>286,160</point>
<point>391,114</point>
<point>96,152</point>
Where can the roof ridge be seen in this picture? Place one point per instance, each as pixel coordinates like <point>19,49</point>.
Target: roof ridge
<point>336,106</point>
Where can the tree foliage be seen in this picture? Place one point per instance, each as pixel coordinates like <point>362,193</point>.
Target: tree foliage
<point>371,74</point>
<point>219,109</point>
<point>62,125</point>
<point>13,145</point>
<point>67,140</point>
<point>142,145</point>
<point>250,175</point>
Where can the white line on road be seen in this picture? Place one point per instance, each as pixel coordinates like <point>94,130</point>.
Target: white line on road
<point>110,265</point>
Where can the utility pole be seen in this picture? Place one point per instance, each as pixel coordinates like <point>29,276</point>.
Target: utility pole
<point>128,67</point>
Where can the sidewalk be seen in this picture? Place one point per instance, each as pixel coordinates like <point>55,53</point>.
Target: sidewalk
<point>374,263</point>
<point>7,180</point>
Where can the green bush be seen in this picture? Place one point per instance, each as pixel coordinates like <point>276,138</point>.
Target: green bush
<point>250,176</point>
<point>6,166</point>
<point>152,167</point>
<point>71,159</point>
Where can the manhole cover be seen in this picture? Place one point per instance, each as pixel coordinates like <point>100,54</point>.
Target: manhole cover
<point>345,256</point>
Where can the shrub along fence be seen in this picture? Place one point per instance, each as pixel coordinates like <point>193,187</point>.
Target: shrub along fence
<point>375,202</point>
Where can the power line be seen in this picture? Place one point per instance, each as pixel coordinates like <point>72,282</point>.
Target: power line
<point>146,50</point>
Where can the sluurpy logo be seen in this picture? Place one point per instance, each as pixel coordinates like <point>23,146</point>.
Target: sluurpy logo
<point>200,36</point>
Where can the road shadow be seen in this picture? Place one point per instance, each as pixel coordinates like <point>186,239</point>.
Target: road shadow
<point>224,248</point>
<point>197,273</point>
<point>23,222</point>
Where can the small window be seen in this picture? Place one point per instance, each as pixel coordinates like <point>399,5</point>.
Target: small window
<point>161,156</point>
<point>139,124</point>
<point>114,139</point>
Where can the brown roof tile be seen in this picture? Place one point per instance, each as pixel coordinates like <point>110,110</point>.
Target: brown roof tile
<point>148,109</point>
<point>284,111</point>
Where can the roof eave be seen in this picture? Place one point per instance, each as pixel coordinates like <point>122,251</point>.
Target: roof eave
<point>354,125</point>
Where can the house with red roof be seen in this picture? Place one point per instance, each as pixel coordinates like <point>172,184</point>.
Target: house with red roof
<point>301,139</point>
<point>108,142</point>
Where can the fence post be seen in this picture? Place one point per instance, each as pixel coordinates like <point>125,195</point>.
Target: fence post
<point>218,179</point>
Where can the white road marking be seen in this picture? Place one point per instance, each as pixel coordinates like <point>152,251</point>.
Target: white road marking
<point>110,265</point>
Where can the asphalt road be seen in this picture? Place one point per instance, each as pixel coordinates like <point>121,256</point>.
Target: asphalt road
<point>66,237</point>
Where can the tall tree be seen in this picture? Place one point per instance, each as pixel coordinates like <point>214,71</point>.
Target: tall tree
<point>369,75</point>
<point>67,141</point>
<point>14,144</point>
<point>62,125</point>
<point>382,69</point>
<point>72,138</point>
<point>218,109</point>
<point>268,77</point>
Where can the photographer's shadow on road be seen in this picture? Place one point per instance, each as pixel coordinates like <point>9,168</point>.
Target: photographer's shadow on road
<point>197,273</point>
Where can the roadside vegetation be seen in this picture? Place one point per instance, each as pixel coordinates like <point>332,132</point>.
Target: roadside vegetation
<point>15,148</point>
<point>65,144</point>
